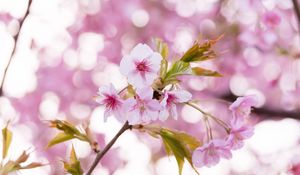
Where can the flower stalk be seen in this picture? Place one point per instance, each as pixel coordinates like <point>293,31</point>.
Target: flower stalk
<point>206,114</point>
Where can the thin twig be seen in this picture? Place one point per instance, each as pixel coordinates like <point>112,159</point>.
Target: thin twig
<point>297,11</point>
<point>16,38</point>
<point>99,156</point>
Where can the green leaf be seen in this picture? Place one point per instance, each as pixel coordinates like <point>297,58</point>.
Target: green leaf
<point>65,126</point>
<point>162,47</point>
<point>172,145</point>
<point>163,67</point>
<point>7,137</point>
<point>59,138</point>
<point>177,69</point>
<point>70,132</point>
<point>187,139</point>
<point>178,143</point>
<point>73,167</point>
<point>201,51</point>
<point>205,72</point>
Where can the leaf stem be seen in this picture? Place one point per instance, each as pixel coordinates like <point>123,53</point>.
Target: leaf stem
<point>99,156</point>
<point>16,38</point>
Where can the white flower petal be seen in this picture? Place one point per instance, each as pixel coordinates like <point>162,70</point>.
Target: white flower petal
<point>182,96</point>
<point>137,81</point>
<point>145,93</point>
<point>126,65</point>
<point>103,90</point>
<point>155,60</point>
<point>150,77</point>
<point>163,115</point>
<point>173,111</point>
<point>152,115</point>
<point>141,51</point>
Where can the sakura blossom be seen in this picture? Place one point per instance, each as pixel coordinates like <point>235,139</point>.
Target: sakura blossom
<point>169,102</point>
<point>141,66</point>
<point>210,153</point>
<point>271,19</point>
<point>142,108</point>
<point>238,133</point>
<point>108,96</point>
<point>241,108</point>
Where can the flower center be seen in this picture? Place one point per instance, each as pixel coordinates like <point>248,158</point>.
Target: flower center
<point>171,99</point>
<point>111,102</point>
<point>142,66</point>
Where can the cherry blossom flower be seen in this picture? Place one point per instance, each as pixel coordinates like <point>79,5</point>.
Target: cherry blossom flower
<point>238,133</point>
<point>169,103</point>
<point>241,108</point>
<point>271,19</point>
<point>108,96</point>
<point>142,108</point>
<point>210,153</point>
<point>141,66</point>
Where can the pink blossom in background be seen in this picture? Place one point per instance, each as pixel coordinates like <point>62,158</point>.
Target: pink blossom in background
<point>271,19</point>
<point>68,49</point>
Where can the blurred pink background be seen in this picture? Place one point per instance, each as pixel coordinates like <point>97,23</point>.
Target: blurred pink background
<point>67,49</point>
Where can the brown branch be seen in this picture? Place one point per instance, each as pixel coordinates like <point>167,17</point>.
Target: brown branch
<point>266,112</point>
<point>297,11</point>
<point>99,156</point>
<point>16,38</point>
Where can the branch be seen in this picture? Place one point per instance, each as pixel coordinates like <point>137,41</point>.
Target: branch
<point>99,156</point>
<point>16,38</point>
<point>297,11</point>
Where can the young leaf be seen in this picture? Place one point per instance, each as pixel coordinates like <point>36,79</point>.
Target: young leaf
<point>180,144</point>
<point>12,166</point>
<point>94,145</point>
<point>177,69</point>
<point>33,165</point>
<point>73,167</point>
<point>65,126</point>
<point>7,137</point>
<point>174,146</point>
<point>205,72</point>
<point>59,138</point>
<point>162,47</point>
<point>200,52</point>
<point>70,132</point>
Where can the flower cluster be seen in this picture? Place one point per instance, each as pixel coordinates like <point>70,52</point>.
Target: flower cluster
<point>149,97</point>
<point>239,129</point>
<point>141,67</point>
